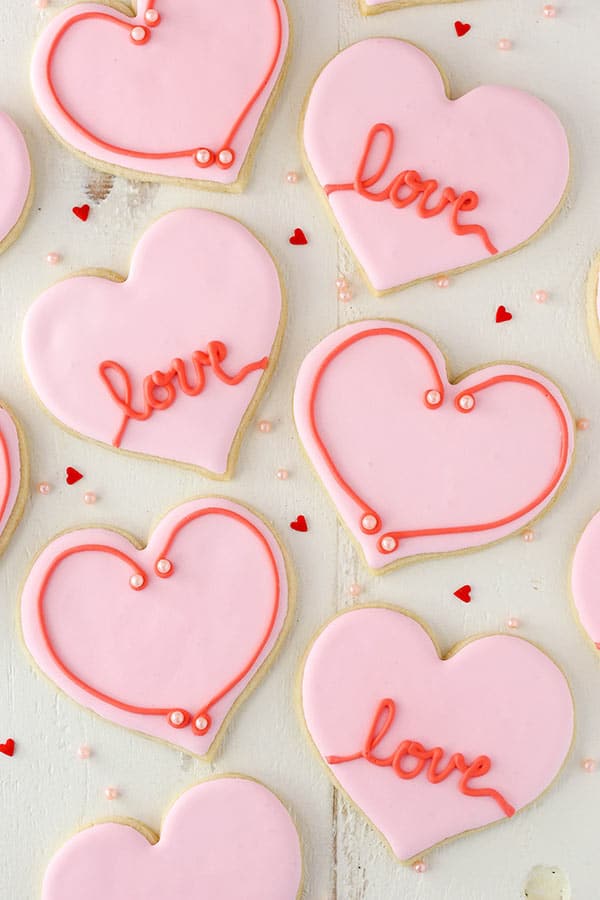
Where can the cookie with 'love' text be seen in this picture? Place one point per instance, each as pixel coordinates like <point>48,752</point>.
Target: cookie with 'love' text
<point>171,361</point>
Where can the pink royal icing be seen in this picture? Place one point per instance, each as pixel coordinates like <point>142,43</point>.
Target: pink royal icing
<point>10,471</point>
<point>416,464</point>
<point>421,184</point>
<point>180,94</point>
<point>167,362</point>
<point>15,177</point>
<point>462,742</point>
<point>585,579</point>
<point>224,839</point>
<point>167,637</point>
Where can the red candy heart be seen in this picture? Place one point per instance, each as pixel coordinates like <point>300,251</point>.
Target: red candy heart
<point>298,239</point>
<point>464,593</point>
<point>8,749</point>
<point>82,212</point>
<point>72,475</point>
<point>300,524</point>
<point>461,28</point>
<point>503,315</point>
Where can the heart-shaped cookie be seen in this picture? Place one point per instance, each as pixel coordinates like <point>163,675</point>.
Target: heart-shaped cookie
<point>420,184</point>
<point>168,362</point>
<point>417,464</point>
<point>163,640</point>
<point>429,748</point>
<point>177,89</point>
<point>14,475</point>
<point>16,181</point>
<point>224,839</point>
<point>585,579</point>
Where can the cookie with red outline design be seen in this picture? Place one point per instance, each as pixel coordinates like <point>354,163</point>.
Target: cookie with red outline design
<point>14,474</point>
<point>163,639</point>
<point>422,185</point>
<point>226,838</point>
<point>418,463</point>
<point>171,361</point>
<point>164,89</point>
<point>427,746</point>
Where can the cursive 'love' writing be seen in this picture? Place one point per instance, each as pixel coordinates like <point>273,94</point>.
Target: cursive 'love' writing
<point>160,388</point>
<point>408,187</point>
<point>430,759</point>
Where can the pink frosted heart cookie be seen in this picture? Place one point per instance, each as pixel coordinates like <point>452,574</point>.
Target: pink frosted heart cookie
<point>169,362</point>
<point>16,181</point>
<point>177,89</point>
<point>430,748</point>
<point>224,839</point>
<point>585,579</point>
<point>418,464</point>
<point>165,639</point>
<point>13,475</point>
<point>420,184</point>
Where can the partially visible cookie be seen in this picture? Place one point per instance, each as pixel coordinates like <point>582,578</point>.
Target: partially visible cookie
<point>16,181</point>
<point>175,90</point>
<point>14,474</point>
<point>371,7</point>
<point>226,839</point>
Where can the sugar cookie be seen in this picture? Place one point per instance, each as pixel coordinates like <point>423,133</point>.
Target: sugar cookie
<point>14,475</point>
<point>419,464</point>
<point>16,181</point>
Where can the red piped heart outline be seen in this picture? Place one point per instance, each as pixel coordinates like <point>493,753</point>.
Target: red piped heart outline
<point>203,712</point>
<point>172,154</point>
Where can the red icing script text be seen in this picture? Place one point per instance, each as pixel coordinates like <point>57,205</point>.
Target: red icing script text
<point>169,382</point>
<point>430,758</point>
<point>408,187</point>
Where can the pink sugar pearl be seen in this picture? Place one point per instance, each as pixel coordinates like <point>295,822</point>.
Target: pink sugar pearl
<point>443,282</point>
<point>549,11</point>
<point>505,44</point>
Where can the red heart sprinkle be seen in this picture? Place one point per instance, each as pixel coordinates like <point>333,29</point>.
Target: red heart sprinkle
<point>300,524</point>
<point>8,748</point>
<point>464,593</point>
<point>73,476</point>
<point>503,315</point>
<point>461,28</point>
<point>298,239</point>
<point>82,212</point>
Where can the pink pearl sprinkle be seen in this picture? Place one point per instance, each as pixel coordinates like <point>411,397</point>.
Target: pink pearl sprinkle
<point>420,867</point>
<point>540,296</point>
<point>43,487</point>
<point>341,283</point>
<point>528,536</point>
<point>53,259</point>
<point>513,622</point>
<point>84,752</point>
<point>41,4</point>
<point>583,424</point>
<point>505,44</point>
<point>282,474</point>
<point>292,178</point>
<point>264,426</point>
<point>355,590</point>
<point>549,11</point>
<point>111,793</point>
<point>443,282</point>
<point>89,497</point>
<point>589,765</point>
<point>345,296</point>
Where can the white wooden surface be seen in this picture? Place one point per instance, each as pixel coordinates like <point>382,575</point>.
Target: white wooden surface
<point>45,791</point>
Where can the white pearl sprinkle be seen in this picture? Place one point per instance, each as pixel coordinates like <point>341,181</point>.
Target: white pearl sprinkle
<point>466,402</point>
<point>177,718</point>
<point>203,156</point>
<point>389,544</point>
<point>225,157</point>
<point>151,16</point>
<point>136,581</point>
<point>369,522</point>
<point>164,566</point>
<point>138,34</point>
<point>201,723</point>
<point>433,398</point>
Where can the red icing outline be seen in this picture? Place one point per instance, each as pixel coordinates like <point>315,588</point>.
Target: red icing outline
<point>190,718</point>
<point>176,154</point>
<point>5,455</point>
<point>438,385</point>
<point>410,178</point>
<point>480,766</point>
<point>215,355</point>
